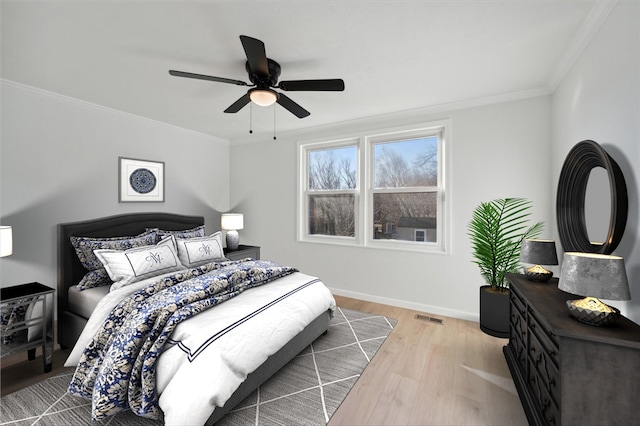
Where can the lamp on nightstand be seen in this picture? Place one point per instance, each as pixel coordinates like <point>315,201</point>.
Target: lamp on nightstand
<point>231,222</point>
<point>538,252</point>
<point>6,241</point>
<point>594,275</point>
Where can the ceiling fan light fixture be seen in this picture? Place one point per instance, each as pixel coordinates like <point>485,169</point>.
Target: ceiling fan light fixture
<point>263,97</point>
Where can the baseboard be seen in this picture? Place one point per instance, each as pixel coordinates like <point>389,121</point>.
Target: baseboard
<point>407,305</point>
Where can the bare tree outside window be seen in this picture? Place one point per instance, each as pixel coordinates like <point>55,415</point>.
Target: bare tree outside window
<point>384,190</point>
<point>332,170</point>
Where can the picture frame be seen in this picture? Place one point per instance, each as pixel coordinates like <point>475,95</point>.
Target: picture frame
<point>140,180</point>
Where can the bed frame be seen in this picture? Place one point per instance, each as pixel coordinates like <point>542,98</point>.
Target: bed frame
<point>71,271</point>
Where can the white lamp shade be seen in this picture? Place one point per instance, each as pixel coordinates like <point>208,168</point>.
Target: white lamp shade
<point>6,241</point>
<point>232,221</point>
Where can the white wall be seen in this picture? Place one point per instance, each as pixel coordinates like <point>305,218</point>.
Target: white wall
<point>599,99</point>
<point>59,163</point>
<point>499,150</point>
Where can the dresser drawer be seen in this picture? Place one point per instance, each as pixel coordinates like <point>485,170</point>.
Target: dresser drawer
<point>546,370</point>
<point>548,408</point>
<point>517,304</point>
<point>548,341</point>
<point>518,333</point>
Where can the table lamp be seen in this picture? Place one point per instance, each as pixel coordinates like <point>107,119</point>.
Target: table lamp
<point>538,252</point>
<point>231,222</point>
<point>594,275</point>
<point>6,241</point>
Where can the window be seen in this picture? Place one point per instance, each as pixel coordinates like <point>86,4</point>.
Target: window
<point>331,190</point>
<point>378,190</point>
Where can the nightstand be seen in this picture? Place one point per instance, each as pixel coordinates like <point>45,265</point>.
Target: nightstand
<point>242,252</point>
<point>14,327</point>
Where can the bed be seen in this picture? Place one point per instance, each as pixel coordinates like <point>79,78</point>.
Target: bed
<point>76,308</point>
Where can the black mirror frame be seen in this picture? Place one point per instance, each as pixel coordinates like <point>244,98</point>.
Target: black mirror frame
<point>572,188</point>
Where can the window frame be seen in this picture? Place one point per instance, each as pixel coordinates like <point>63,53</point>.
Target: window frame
<point>304,192</point>
<point>364,191</point>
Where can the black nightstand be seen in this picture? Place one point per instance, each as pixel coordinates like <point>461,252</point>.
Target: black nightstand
<point>15,301</point>
<point>243,251</point>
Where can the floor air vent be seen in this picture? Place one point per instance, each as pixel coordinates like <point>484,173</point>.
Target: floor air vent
<point>429,319</point>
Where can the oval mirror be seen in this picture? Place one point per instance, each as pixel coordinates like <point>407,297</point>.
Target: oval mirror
<point>597,213</point>
<point>582,227</point>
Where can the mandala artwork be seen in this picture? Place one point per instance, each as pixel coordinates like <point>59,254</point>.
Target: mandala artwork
<point>143,181</point>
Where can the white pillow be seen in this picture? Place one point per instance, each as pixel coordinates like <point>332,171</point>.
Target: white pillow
<point>128,266</point>
<point>200,250</point>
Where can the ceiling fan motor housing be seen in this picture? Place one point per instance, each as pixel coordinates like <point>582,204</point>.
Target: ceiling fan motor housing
<point>265,80</point>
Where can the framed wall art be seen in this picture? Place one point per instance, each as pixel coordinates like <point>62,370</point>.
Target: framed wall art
<point>140,180</point>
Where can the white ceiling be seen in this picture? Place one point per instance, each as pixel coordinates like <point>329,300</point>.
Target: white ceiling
<point>393,55</point>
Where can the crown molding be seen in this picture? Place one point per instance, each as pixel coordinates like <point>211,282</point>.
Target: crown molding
<point>598,15</point>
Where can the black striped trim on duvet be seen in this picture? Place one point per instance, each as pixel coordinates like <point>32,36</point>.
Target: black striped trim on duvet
<point>193,354</point>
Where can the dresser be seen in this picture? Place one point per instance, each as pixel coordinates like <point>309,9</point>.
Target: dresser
<point>567,372</point>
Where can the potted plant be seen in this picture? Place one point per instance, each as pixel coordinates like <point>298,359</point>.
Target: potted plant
<point>496,230</point>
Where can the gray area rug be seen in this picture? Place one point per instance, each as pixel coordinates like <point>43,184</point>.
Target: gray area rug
<point>307,391</point>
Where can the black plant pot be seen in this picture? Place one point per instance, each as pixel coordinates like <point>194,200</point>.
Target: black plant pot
<point>494,311</point>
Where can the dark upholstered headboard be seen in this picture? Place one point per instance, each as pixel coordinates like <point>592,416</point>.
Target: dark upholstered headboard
<point>71,271</point>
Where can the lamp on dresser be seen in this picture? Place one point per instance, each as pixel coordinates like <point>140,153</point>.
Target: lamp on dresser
<point>231,222</point>
<point>538,252</point>
<point>594,276</point>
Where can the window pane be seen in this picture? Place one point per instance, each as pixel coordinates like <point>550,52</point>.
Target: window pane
<point>406,163</point>
<point>405,216</point>
<point>332,169</point>
<point>332,215</point>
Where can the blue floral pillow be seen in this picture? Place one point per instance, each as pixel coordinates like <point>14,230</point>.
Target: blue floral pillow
<point>97,275</point>
<point>198,231</point>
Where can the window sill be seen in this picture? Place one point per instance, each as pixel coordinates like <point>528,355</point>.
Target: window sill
<point>404,247</point>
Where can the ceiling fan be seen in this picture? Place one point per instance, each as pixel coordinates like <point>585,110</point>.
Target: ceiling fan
<point>263,74</point>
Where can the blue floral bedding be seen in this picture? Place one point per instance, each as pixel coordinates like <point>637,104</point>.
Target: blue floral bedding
<point>117,370</point>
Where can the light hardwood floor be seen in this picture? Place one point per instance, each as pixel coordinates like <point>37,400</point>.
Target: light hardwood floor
<point>424,374</point>
<point>431,374</point>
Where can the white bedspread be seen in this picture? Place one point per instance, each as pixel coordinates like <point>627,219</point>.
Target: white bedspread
<point>213,352</point>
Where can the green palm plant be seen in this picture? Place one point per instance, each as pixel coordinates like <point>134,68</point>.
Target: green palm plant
<point>497,229</point>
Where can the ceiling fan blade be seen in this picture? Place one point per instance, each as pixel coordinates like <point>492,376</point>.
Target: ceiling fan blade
<point>239,104</point>
<point>328,85</point>
<point>256,55</point>
<point>207,77</point>
<point>292,107</point>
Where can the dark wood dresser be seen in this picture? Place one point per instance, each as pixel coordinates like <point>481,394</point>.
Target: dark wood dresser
<point>567,372</point>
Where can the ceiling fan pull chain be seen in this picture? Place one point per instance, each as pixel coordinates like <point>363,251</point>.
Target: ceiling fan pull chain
<point>250,118</point>
<point>274,122</point>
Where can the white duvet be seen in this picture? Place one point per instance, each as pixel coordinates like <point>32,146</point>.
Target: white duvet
<point>212,353</point>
